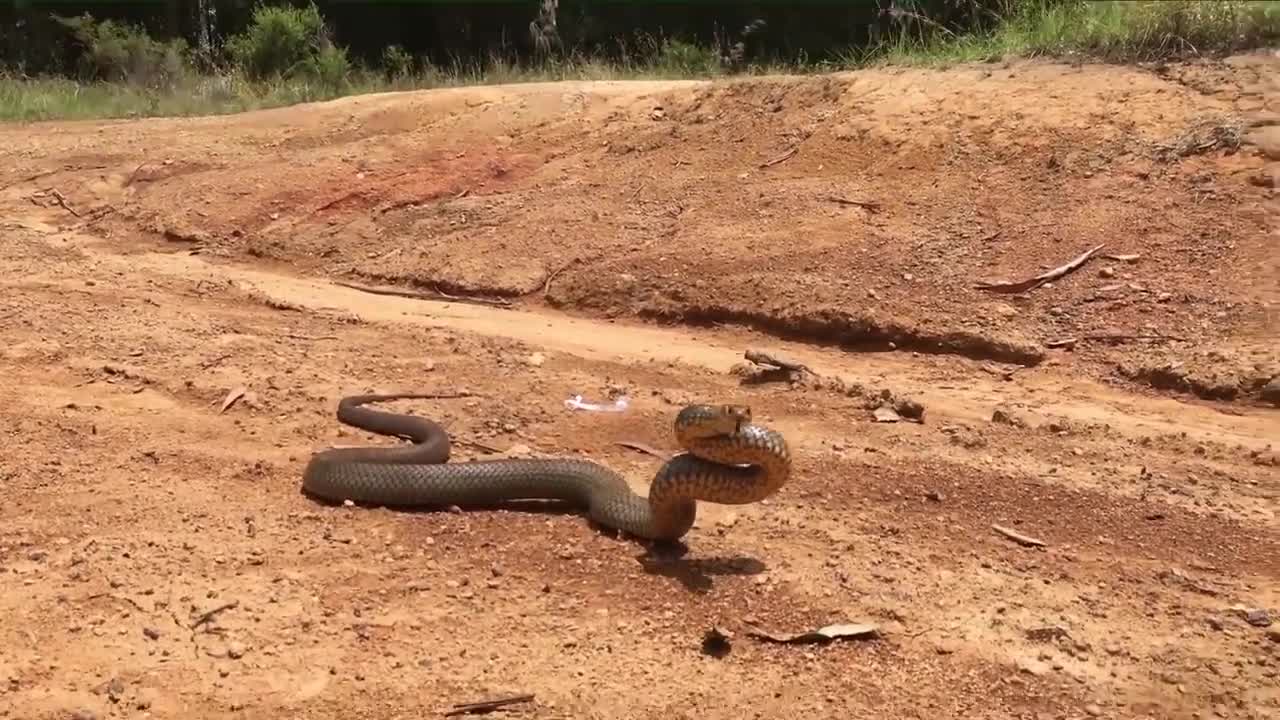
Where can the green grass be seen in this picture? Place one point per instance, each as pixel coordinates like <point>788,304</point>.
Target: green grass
<point>46,98</point>
<point>1112,30</point>
<point>1108,30</point>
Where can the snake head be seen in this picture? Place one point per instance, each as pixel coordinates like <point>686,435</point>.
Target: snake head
<point>712,420</point>
<point>734,417</point>
<point>728,419</point>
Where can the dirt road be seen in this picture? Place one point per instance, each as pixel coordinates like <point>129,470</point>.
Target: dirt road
<point>175,343</point>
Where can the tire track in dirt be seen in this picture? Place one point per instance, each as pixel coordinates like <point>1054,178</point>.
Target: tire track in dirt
<point>591,339</point>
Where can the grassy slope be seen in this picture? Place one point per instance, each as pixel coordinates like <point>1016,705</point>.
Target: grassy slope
<point>1119,30</point>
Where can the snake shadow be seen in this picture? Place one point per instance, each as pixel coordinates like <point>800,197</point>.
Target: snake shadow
<point>697,575</point>
<point>665,559</point>
<point>532,506</point>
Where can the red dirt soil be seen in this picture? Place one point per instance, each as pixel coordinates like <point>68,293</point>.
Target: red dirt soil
<point>608,238</point>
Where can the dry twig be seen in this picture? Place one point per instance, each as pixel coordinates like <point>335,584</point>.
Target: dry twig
<point>113,596</point>
<point>211,614</point>
<point>1110,337</point>
<point>58,196</point>
<point>781,158</point>
<point>546,286</point>
<point>870,206</point>
<point>641,447</point>
<point>1046,277</point>
<point>46,173</point>
<point>1018,537</point>
<point>479,446</point>
<point>485,706</point>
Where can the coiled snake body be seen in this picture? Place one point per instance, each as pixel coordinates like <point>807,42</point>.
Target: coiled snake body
<point>729,460</point>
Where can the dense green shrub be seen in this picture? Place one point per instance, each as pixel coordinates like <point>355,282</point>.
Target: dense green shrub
<point>119,52</point>
<point>683,58</point>
<point>288,42</point>
<point>397,62</point>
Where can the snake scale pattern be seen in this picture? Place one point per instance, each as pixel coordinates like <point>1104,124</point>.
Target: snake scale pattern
<point>728,460</point>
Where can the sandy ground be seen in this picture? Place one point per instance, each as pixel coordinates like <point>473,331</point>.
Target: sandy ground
<point>158,559</point>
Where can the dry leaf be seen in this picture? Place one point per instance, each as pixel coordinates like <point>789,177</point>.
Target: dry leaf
<point>886,414</point>
<point>231,398</point>
<point>848,631</point>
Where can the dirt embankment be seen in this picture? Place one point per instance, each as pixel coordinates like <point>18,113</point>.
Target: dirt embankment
<point>858,209</point>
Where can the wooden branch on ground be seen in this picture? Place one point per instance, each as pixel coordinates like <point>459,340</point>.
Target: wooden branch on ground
<point>485,706</point>
<point>1110,337</point>
<point>206,617</point>
<point>1018,537</point>
<point>870,206</point>
<point>423,295</point>
<point>62,200</point>
<point>1041,279</point>
<point>546,286</point>
<point>781,158</point>
<point>641,447</point>
<point>479,446</point>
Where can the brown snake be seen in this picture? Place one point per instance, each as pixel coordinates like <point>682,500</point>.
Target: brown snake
<point>728,460</point>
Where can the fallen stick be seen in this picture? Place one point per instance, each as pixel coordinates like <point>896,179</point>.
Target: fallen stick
<point>479,446</point>
<point>781,158</point>
<point>641,447</point>
<point>485,706</point>
<point>546,286</point>
<point>1109,337</point>
<point>870,206</point>
<point>1018,537</point>
<point>421,295</point>
<point>113,596</point>
<point>1123,336</point>
<point>206,617</point>
<point>1041,279</point>
<point>46,173</point>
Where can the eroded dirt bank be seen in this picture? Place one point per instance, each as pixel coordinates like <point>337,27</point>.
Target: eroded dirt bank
<point>859,209</point>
